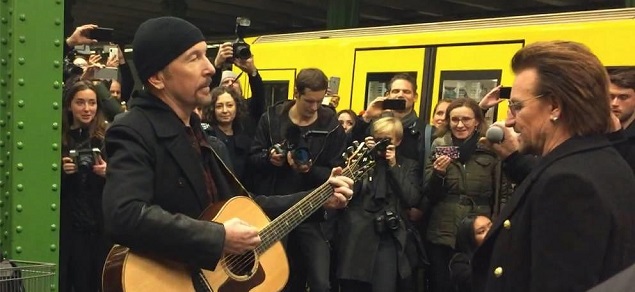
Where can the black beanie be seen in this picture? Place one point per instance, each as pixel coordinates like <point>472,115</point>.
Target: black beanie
<point>160,40</point>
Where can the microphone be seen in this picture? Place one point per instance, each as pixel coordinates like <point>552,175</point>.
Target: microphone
<point>495,134</point>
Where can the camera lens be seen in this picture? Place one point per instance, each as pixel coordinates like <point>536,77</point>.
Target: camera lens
<point>301,155</point>
<point>243,52</point>
<point>85,163</point>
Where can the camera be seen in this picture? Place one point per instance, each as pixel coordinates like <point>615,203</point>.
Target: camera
<point>241,48</point>
<point>387,221</point>
<point>84,158</point>
<point>71,69</point>
<point>380,147</point>
<point>299,153</point>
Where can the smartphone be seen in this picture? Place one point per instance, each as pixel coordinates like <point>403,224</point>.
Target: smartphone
<point>113,52</point>
<point>449,151</point>
<point>101,34</point>
<point>394,104</point>
<point>106,73</point>
<point>505,92</point>
<point>334,85</point>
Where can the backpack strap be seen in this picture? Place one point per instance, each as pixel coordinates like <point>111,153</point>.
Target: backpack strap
<point>427,149</point>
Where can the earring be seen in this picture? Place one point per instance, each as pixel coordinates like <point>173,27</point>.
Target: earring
<point>554,119</point>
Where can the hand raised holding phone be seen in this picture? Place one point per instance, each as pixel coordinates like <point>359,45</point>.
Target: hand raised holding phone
<point>444,155</point>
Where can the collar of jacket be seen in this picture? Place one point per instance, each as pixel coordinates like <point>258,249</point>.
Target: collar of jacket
<point>326,116</point>
<point>168,124</point>
<point>572,146</point>
<point>630,131</point>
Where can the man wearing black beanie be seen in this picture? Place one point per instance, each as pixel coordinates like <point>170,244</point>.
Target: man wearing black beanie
<point>162,173</point>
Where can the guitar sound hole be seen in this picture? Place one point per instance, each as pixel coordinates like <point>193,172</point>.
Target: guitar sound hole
<point>241,265</point>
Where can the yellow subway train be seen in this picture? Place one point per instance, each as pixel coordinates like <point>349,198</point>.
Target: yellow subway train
<point>448,59</point>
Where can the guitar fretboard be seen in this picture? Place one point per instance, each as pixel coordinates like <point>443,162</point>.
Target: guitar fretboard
<point>281,226</point>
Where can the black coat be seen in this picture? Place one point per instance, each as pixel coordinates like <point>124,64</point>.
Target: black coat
<point>568,226</point>
<point>155,186</point>
<point>358,240</point>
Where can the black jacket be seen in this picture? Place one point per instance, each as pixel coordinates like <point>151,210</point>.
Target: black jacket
<point>356,225</point>
<point>568,226</point>
<point>326,151</point>
<point>155,186</point>
<point>81,192</point>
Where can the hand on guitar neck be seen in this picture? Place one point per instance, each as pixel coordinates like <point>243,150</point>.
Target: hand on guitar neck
<point>342,191</point>
<point>240,237</point>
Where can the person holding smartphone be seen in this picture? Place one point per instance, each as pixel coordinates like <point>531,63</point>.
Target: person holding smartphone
<point>463,178</point>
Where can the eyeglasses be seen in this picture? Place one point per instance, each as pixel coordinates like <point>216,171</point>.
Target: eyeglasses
<point>516,106</point>
<point>464,120</point>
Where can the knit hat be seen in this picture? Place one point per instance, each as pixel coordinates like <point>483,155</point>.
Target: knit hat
<point>228,74</point>
<point>158,41</point>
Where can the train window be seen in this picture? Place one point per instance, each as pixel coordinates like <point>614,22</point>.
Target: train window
<point>474,84</point>
<point>377,84</point>
<point>276,91</point>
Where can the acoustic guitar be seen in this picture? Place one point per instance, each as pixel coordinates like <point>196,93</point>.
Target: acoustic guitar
<point>263,269</point>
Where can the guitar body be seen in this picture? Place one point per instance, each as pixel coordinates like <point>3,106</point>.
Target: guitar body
<point>126,270</point>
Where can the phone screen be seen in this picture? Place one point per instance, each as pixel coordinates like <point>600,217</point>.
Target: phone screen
<point>449,151</point>
<point>101,34</point>
<point>505,92</point>
<point>334,85</point>
<point>394,104</point>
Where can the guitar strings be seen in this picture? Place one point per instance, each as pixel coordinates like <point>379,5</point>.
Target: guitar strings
<point>322,192</point>
<point>244,260</point>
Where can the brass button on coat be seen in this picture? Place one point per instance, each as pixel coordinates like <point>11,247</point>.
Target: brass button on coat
<point>507,224</point>
<point>498,272</point>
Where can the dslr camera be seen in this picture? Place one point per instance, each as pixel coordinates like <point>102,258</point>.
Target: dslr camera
<point>380,147</point>
<point>241,48</point>
<point>299,152</point>
<point>84,158</point>
<point>387,221</point>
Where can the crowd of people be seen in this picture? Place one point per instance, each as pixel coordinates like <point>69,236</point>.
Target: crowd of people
<point>547,208</point>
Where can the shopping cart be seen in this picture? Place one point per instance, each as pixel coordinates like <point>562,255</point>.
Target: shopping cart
<point>23,276</point>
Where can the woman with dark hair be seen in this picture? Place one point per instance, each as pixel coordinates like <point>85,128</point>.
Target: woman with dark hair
<point>347,119</point>
<point>223,116</point>
<point>83,246</point>
<point>469,236</point>
<point>463,178</point>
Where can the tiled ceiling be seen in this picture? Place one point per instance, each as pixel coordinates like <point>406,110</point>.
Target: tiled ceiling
<point>216,18</point>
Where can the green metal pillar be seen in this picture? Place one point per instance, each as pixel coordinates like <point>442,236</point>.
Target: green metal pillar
<point>343,14</point>
<point>629,3</point>
<point>31,46</point>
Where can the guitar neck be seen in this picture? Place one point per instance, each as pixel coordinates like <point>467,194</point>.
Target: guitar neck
<point>290,219</point>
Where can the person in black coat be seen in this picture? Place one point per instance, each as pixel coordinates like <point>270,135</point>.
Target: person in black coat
<point>569,225</point>
<point>375,217</point>
<point>223,118</point>
<point>162,171</point>
<point>469,236</point>
<point>83,245</point>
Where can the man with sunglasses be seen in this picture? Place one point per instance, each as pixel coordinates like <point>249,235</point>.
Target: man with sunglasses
<point>622,99</point>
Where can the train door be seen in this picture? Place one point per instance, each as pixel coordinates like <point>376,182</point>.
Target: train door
<point>374,67</point>
<point>279,84</point>
<point>472,71</point>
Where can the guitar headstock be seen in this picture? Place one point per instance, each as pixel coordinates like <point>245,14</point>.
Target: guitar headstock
<point>360,158</point>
